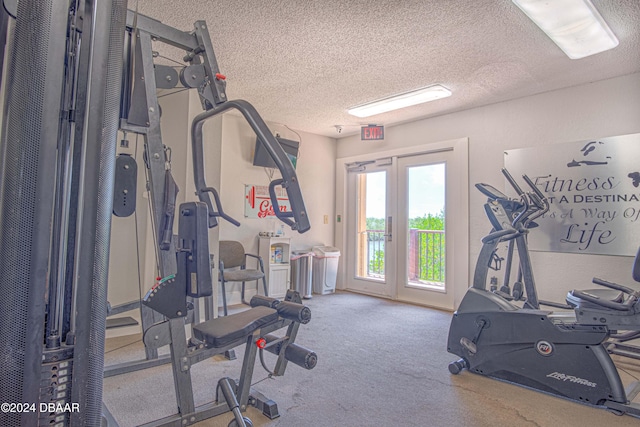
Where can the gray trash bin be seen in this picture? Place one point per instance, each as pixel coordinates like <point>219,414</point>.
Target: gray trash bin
<point>301,272</point>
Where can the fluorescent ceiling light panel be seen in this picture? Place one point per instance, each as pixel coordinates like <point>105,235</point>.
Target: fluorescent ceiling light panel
<point>430,93</point>
<point>575,26</point>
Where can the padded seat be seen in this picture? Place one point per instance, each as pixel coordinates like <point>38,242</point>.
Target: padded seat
<point>242,275</point>
<point>225,330</point>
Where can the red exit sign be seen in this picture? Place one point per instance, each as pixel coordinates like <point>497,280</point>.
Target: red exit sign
<point>371,133</point>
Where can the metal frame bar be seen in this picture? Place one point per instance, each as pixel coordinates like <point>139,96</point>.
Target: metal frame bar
<point>160,31</point>
<point>96,197</point>
<point>147,123</point>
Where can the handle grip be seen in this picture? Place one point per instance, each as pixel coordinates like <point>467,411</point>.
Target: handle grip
<point>539,202</point>
<point>618,306</point>
<point>219,212</point>
<point>612,285</point>
<point>282,216</point>
<point>534,187</point>
<point>499,235</point>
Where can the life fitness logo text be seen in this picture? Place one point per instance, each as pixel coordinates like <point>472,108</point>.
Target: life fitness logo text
<point>544,348</point>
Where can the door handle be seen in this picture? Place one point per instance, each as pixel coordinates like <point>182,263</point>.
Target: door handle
<point>389,234</point>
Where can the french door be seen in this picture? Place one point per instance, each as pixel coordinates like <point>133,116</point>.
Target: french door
<point>370,224</point>
<point>397,228</point>
<point>424,240</point>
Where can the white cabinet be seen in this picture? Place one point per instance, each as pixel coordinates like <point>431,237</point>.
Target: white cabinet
<point>275,253</point>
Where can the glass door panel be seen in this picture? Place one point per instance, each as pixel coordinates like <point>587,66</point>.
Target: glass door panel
<point>372,225</point>
<point>370,255</point>
<point>424,264</point>
<point>426,226</point>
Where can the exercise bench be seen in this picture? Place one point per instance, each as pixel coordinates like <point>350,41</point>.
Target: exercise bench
<point>254,328</point>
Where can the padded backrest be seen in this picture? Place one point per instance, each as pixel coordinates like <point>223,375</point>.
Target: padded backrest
<point>231,253</point>
<point>635,273</point>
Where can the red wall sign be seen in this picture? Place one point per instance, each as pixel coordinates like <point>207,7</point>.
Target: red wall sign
<point>257,202</point>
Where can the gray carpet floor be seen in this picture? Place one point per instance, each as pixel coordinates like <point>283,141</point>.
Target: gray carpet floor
<point>380,363</point>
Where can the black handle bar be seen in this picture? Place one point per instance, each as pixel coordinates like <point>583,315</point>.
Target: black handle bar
<point>500,234</point>
<point>513,182</point>
<point>289,179</point>
<point>613,286</point>
<point>525,200</point>
<point>534,187</point>
<point>219,212</point>
<point>282,215</point>
<point>618,306</point>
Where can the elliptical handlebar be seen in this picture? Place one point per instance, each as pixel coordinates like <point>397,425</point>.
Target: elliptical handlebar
<point>513,182</point>
<point>535,202</point>
<point>612,285</point>
<point>538,198</point>
<point>521,217</point>
<point>535,189</point>
<point>618,306</point>
<point>627,305</point>
<point>500,234</point>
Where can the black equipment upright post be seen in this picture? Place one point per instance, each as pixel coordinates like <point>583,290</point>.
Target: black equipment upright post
<point>59,139</point>
<point>99,136</point>
<point>144,76</point>
<point>30,139</point>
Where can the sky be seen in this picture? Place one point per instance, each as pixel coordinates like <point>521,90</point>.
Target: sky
<point>426,191</point>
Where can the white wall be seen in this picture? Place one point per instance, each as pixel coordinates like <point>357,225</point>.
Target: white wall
<point>316,174</point>
<point>595,110</point>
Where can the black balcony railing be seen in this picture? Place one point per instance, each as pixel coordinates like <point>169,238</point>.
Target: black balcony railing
<point>426,255</point>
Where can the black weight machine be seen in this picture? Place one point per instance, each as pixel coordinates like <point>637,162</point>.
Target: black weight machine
<point>562,353</point>
<point>80,70</point>
<point>188,256</point>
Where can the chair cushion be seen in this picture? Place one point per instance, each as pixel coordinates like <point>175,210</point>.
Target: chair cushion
<point>231,253</point>
<point>242,275</point>
<point>225,330</point>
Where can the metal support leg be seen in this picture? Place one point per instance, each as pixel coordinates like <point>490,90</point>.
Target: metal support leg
<point>232,402</point>
<point>244,385</point>
<point>181,367</point>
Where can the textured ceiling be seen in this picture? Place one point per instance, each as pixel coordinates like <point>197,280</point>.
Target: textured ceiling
<point>303,63</point>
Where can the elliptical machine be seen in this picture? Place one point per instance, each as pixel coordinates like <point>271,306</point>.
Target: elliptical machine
<point>539,349</point>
